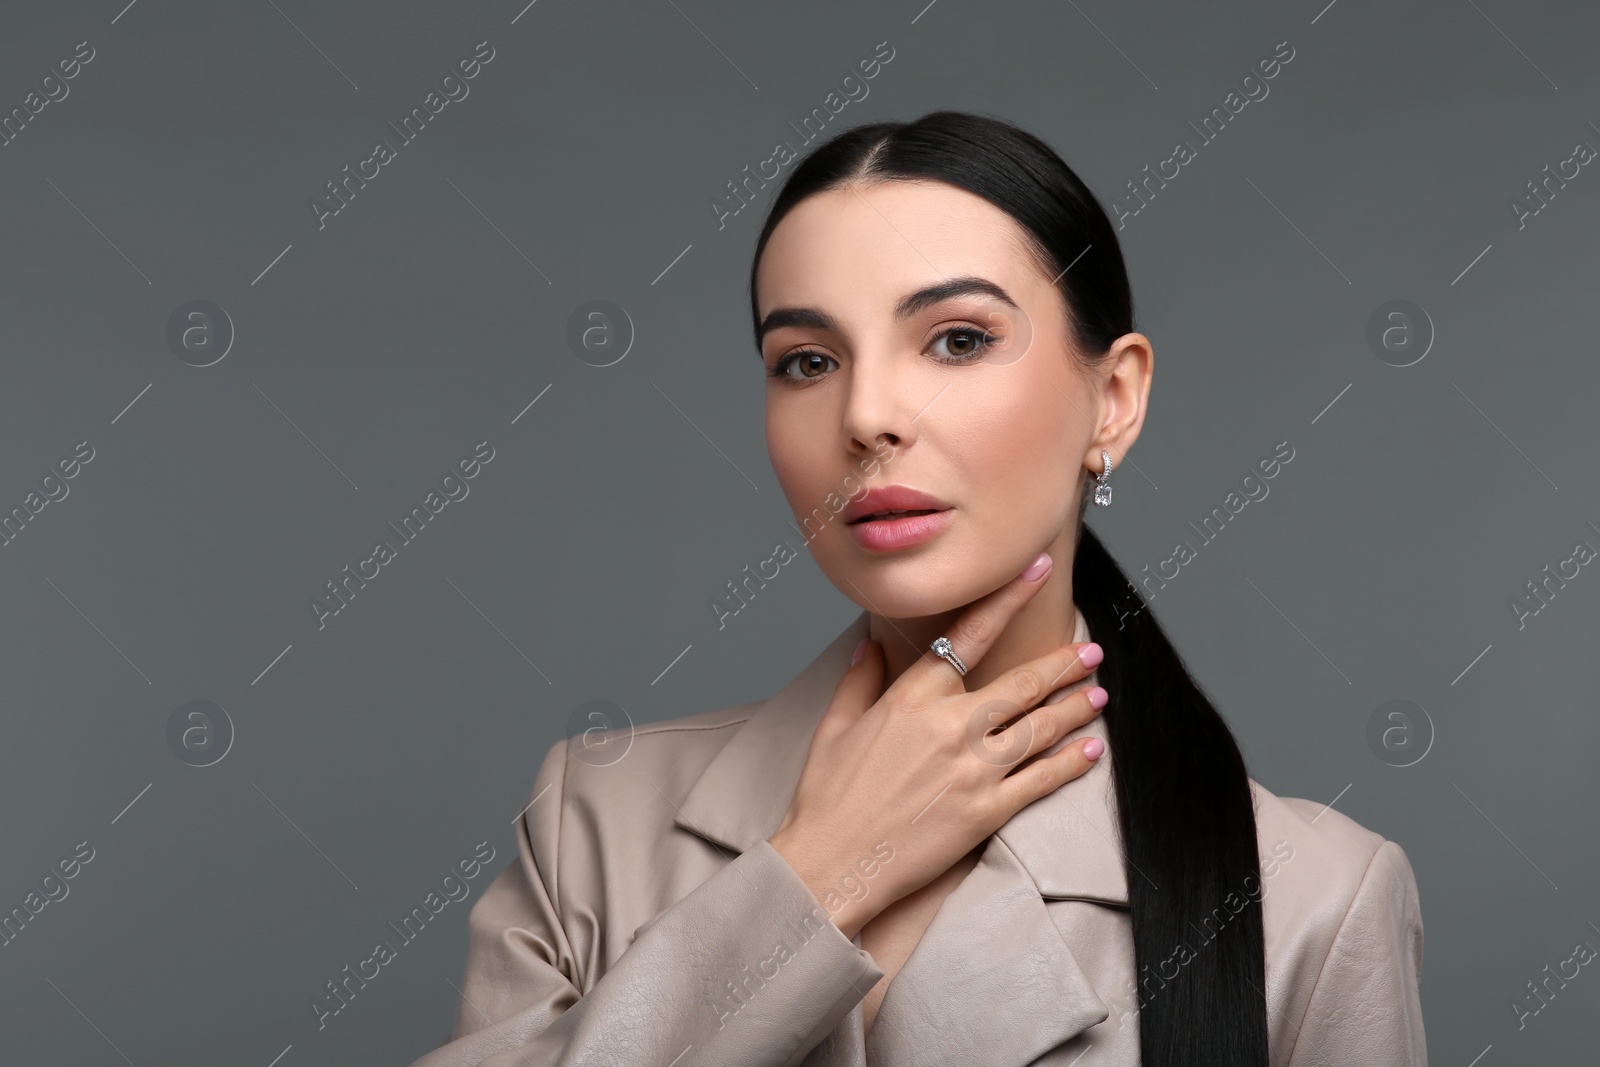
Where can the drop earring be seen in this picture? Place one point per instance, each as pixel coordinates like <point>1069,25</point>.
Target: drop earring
<point>1102,489</point>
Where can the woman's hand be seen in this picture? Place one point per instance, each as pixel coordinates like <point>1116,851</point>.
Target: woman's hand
<point>894,793</point>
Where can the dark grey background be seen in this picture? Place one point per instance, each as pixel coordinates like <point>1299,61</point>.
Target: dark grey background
<point>374,753</point>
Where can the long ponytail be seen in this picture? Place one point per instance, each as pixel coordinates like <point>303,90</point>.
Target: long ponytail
<point>1188,822</point>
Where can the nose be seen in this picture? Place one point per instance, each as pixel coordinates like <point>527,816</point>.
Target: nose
<point>878,408</point>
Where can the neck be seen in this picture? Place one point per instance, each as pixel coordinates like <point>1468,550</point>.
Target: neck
<point>1044,623</point>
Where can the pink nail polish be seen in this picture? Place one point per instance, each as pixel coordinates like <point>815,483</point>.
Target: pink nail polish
<point>1094,747</point>
<point>859,652</point>
<point>1038,568</point>
<point>1091,654</point>
<point>1098,697</point>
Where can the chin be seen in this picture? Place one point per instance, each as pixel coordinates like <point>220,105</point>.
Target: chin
<point>910,585</point>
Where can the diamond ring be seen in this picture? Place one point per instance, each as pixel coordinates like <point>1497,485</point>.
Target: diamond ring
<point>942,647</point>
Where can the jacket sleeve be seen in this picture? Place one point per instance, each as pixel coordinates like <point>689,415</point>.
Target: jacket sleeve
<point>1365,1008</point>
<point>746,970</point>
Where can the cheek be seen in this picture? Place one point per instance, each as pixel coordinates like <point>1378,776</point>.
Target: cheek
<point>788,448</point>
<point>1009,434</point>
<point>1015,458</point>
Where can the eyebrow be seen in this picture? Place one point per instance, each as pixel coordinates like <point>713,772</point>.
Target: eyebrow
<point>909,305</point>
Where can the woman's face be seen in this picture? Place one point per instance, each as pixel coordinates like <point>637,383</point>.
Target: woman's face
<point>872,390</point>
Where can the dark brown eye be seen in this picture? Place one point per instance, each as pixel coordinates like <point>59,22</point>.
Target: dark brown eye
<point>809,360</point>
<point>963,343</point>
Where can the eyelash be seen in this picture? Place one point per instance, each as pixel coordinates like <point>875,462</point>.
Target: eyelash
<point>780,369</point>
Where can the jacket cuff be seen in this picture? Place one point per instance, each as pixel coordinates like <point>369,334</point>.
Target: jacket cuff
<point>792,968</point>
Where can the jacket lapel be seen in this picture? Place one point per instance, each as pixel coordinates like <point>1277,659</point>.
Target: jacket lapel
<point>992,980</point>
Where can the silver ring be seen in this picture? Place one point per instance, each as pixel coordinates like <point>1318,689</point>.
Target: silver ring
<point>942,647</point>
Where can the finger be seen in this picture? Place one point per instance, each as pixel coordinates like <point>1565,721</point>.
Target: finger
<point>1048,723</point>
<point>857,690</point>
<point>1020,736</point>
<point>1027,683</point>
<point>976,630</point>
<point>1044,776</point>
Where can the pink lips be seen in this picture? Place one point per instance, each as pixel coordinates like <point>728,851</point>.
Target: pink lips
<point>872,522</point>
<point>888,535</point>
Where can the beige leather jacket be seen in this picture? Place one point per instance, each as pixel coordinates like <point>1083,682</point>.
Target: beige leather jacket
<point>647,922</point>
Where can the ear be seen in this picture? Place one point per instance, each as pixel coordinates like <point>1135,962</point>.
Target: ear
<point>1123,398</point>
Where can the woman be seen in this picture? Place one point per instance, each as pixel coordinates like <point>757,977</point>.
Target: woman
<point>965,833</point>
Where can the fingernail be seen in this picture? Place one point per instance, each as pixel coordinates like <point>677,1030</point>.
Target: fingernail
<point>1038,568</point>
<point>1098,697</point>
<point>1091,654</point>
<point>1093,748</point>
<point>860,651</point>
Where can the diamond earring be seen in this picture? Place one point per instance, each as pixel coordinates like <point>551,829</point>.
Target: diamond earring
<point>1102,489</point>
